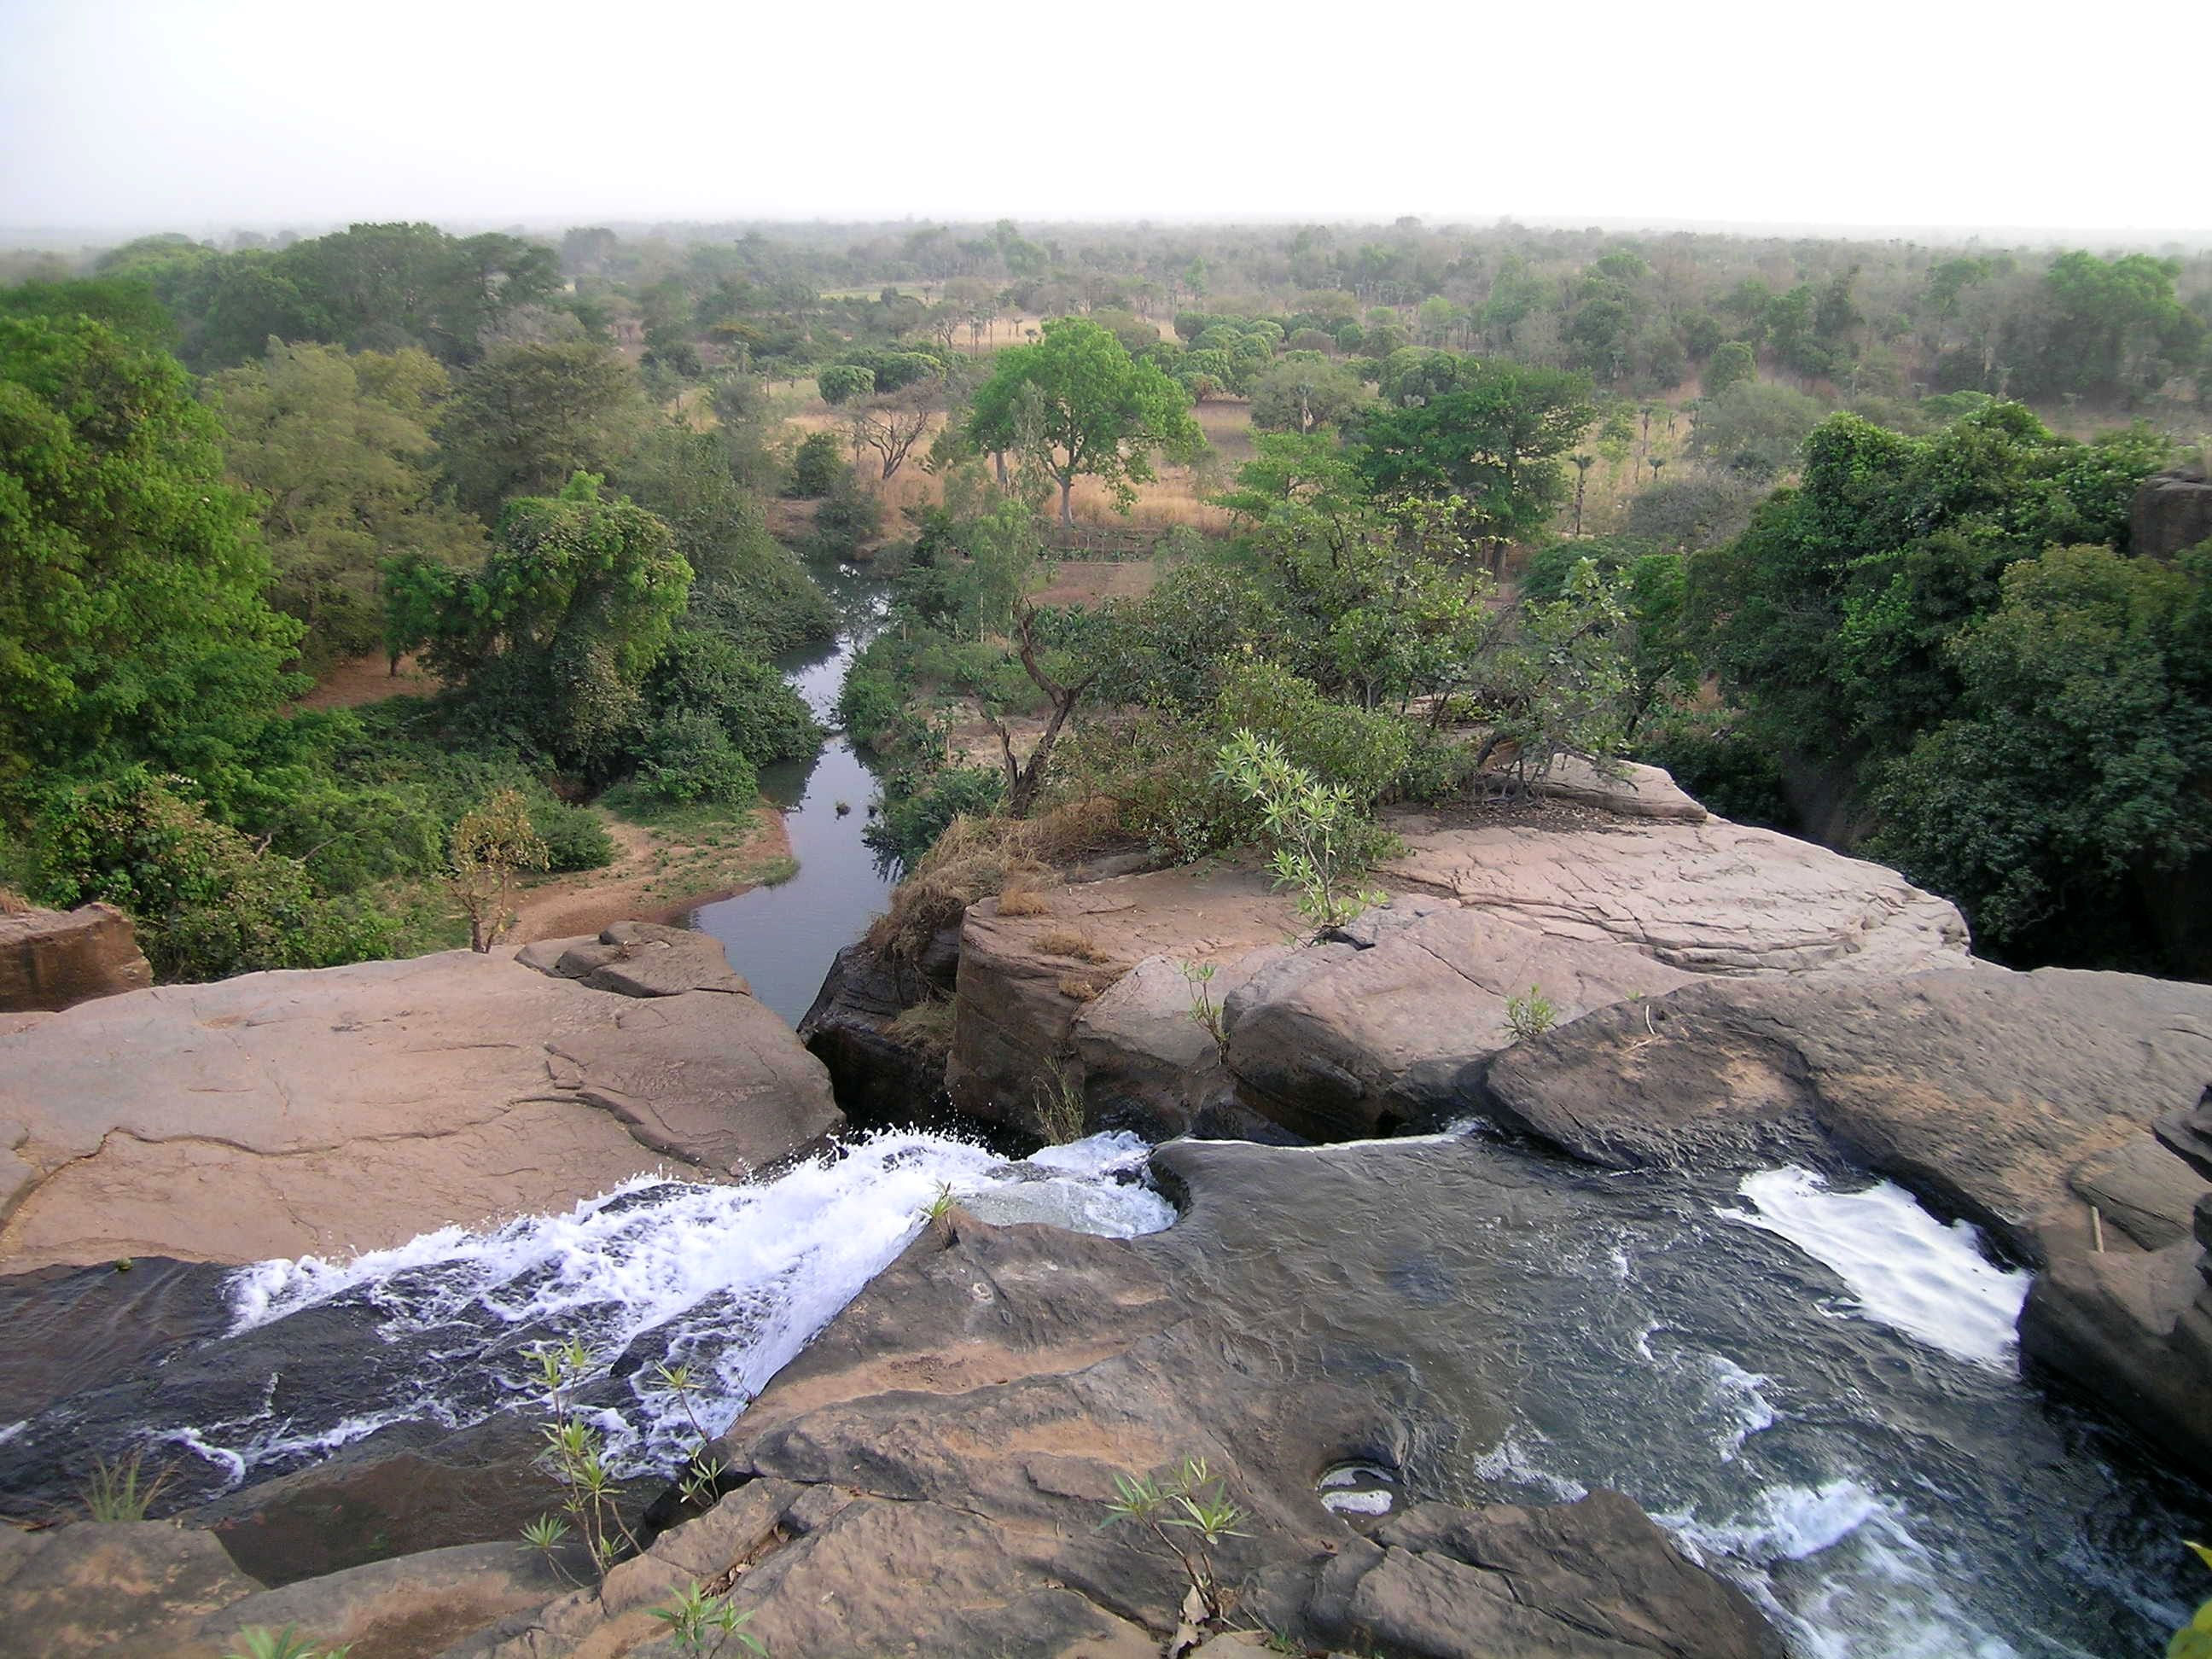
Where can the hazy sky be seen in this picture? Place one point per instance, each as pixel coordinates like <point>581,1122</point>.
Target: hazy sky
<point>206,114</point>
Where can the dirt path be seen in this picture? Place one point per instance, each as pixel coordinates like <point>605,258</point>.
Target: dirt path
<point>359,680</point>
<point>657,875</point>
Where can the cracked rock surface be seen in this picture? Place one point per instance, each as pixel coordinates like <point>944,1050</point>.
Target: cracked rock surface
<point>347,1109</point>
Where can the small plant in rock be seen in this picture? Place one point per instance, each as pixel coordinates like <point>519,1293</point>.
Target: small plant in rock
<point>1187,1514</point>
<point>1204,1012</point>
<point>1062,1116</point>
<point>259,1642</point>
<point>704,1625</point>
<point>1530,1015</point>
<point>116,1492</point>
<point>576,1453</point>
<point>1318,840</point>
<point>938,1213</point>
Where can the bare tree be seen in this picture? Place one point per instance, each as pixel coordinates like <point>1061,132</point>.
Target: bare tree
<point>892,422</point>
<point>1025,778</point>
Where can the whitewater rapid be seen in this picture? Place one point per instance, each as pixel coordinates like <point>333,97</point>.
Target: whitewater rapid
<point>731,1280</point>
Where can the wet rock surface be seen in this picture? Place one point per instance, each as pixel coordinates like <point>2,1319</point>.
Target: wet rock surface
<point>2024,1101</point>
<point>930,1476</point>
<point>345,1108</point>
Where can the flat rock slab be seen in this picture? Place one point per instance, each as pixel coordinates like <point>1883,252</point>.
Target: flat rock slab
<point>1319,1035</point>
<point>1708,897</point>
<point>346,1108</point>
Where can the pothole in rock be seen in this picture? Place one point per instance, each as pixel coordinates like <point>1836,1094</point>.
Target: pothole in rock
<point>1357,1488</point>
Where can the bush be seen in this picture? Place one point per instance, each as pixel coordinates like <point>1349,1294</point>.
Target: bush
<point>1363,752</point>
<point>819,463</point>
<point>575,838</point>
<point>208,902</point>
<point>703,673</point>
<point>911,824</point>
<point>688,756</point>
<point>848,518</point>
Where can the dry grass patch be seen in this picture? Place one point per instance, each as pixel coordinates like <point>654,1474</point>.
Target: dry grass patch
<point>12,903</point>
<point>927,1026</point>
<point>1084,988</point>
<point>1062,942</point>
<point>1023,900</point>
<point>977,859</point>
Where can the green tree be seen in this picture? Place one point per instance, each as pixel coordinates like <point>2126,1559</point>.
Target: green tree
<point>336,449</point>
<point>1493,444</point>
<point>2078,769</point>
<point>493,845</point>
<point>131,615</point>
<point>1754,429</point>
<point>1102,412</point>
<point>1732,364</point>
<point>530,415</point>
<point>557,634</point>
<point>1303,392</point>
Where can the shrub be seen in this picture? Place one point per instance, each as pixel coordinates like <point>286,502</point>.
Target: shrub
<point>848,518</point>
<point>208,902</point>
<point>819,463</point>
<point>701,673</point>
<point>911,824</point>
<point>1353,749</point>
<point>1316,838</point>
<point>575,838</point>
<point>688,756</point>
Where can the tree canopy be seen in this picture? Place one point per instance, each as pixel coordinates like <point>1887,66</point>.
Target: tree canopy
<point>1092,410</point>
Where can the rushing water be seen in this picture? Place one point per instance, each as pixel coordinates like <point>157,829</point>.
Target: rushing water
<point>783,937</point>
<point>1813,1386</point>
<point>1816,1390</point>
<point>732,1280</point>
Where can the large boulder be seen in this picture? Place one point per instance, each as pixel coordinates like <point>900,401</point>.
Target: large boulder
<point>1025,979</point>
<point>880,1076</point>
<point>2171,512</point>
<point>346,1108</point>
<point>2024,1101</point>
<point>55,959</point>
<point>1626,890</point>
<point>1707,896</point>
<point>1319,1036</point>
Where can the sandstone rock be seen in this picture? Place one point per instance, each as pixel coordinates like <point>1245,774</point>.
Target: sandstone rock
<point>1640,792</point>
<point>1712,897</point>
<point>118,1588</point>
<point>55,959</point>
<point>639,959</point>
<point>1146,1063</point>
<point>1319,1035</point>
<point>2170,513</point>
<point>1023,979</point>
<point>346,1108</point>
<point>878,1078</point>
<point>416,1605</point>
<point>2018,1100</point>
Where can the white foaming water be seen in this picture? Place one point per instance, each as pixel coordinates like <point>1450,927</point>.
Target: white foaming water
<point>737,1278</point>
<point>1863,1587</point>
<point>1509,1461</point>
<point>1906,1269</point>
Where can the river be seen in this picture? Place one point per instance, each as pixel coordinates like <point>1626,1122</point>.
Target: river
<point>782,939</point>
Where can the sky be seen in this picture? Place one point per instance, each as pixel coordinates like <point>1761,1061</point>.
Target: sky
<point>208,115</point>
